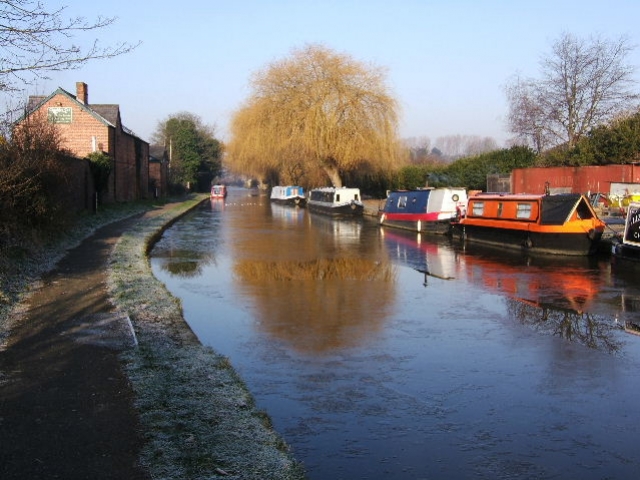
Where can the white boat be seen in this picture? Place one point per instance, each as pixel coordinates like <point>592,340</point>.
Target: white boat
<point>344,202</point>
<point>288,195</point>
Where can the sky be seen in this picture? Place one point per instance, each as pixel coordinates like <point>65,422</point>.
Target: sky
<point>447,61</point>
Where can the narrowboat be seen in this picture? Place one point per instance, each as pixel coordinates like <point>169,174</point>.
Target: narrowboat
<point>428,210</point>
<point>339,202</point>
<point>218,191</point>
<point>288,195</point>
<point>629,247</point>
<point>563,224</point>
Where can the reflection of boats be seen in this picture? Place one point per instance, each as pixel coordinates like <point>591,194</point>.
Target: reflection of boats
<point>287,214</point>
<point>433,258</point>
<point>564,224</point>
<point>288,195</point>
<point>336,201</point>
<point>629,249</point>
<point>218,191</point>
<point>536,280</point>
<point>429,210</point>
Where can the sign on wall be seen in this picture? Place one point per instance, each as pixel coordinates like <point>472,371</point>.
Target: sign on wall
<point>60,114</point>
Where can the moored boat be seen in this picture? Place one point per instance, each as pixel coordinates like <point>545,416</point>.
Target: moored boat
<point>341,202</point>
<point>219,191</point>
<point>563,224</point>
<point>629,247</point>
<point>428,210</point>
<point>288,195</point>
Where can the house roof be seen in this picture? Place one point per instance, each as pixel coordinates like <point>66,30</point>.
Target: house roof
<point>109,114</point>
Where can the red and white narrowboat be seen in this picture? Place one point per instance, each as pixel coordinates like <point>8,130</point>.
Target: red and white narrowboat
<point>429,210</point>
<point>219,191</point>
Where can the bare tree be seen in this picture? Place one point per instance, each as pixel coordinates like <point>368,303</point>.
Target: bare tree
<point>36,40</point>
<point>318,110</point>
<point>584,83</point>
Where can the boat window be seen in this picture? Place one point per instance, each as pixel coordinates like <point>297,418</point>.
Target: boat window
<point>402,201</point>
<point>337,197</point>
<point>524,210</point>
<point>583,210</point>
<point>356,197</point>
<point>478,208</point>
<point>500,209</point>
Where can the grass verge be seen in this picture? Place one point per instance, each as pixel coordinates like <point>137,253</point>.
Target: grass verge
<point>199,417</point>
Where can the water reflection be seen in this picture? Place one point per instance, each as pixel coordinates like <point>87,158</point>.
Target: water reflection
<point>539,294</point>
<point>191,247</point>
<point>313,282</point>
<point>288,215</point>
<point>431,256</point>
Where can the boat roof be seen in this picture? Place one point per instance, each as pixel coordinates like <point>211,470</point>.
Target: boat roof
<point>334,189</point>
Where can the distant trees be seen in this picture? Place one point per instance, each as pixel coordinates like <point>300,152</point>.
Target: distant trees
<point>470,172</point>
<point>583,84</point>
<point>195,155</point>
<point>36,39</point>
<point>315,111</point>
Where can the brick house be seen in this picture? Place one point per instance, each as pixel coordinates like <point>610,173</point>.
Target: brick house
<point>87,128</point>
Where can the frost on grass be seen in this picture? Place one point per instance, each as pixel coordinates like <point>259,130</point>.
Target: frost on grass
<point>199,419</point>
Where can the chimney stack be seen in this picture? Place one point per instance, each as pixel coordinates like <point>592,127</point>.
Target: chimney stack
<point>82,93</point>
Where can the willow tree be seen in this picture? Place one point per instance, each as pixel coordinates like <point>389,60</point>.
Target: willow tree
<point>315,110</point>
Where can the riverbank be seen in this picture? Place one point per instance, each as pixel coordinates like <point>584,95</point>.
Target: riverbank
<point>194,414</point>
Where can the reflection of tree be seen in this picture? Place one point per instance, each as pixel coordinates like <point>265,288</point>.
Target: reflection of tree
<point>319,305</point>
<point>574,325</point>
<point>184,263</point>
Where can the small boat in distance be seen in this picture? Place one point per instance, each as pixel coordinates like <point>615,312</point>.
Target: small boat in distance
<point>339,202</point>
<point>219,191</point>
<point>629,248</point>
<point>429,210</point>
<point>288,195</point>
<point>563,224</point>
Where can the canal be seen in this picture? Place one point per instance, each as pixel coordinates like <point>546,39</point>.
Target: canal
<point>379,354</point>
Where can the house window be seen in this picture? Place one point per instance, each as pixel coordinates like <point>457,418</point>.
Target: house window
<point>478,209</point>
<point>524,210</point>
<point>59,114</point>
<point>402,201</point>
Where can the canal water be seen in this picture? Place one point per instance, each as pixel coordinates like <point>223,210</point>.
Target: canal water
<point>380,354</point>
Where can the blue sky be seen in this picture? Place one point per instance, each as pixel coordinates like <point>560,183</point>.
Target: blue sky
<point>447,60</point>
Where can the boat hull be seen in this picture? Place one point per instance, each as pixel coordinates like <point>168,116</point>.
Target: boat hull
<point>290,201</point>
<point>346,210</point>
<point>548,243</point>
<point>416,223</point>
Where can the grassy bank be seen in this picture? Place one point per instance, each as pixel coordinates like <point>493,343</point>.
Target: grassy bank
<point>200,419</point>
